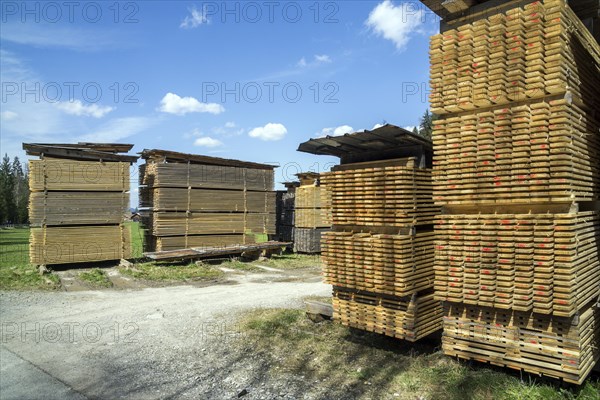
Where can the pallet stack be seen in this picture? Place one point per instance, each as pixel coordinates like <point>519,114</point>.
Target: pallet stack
<point>517,171</point>
<point>78,198</point>
<point>285,212</point>
<point>312,214</point>
<point>194,201</point>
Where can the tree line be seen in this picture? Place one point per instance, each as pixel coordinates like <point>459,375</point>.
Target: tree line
<point>14,192</point>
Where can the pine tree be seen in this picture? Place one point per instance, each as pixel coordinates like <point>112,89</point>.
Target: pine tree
<point>415,130</point>
<point>426,127</point>
<point>7,192</point>
<point>21,192</point>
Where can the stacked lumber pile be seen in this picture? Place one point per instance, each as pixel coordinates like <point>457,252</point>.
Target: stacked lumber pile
<point>379,255</point>
<point>394,195</point>
<point>396,265</point>
<point>285,212</point>
<point>196,201</point>
<point>409,318</point>
<point>312,213</point>
<point>79,195</point>
<point>517,171</point>
<point>554,346</point>
<point>545,263</point>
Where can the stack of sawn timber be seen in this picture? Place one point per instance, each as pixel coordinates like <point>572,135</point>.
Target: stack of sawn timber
<point>379,254</point>
<point>193,201</point>
<point>516,167</point>
<point>285,212</point>
<point>78,198</point>
<point>312,213</point>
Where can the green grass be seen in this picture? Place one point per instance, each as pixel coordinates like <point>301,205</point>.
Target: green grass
<point>16,273</point>
<point>241,266</point>
<point>354,364</point>
<point>96,278</point>
<point>292,261</point>
<point>161,272</point>
<point>137,238</point>
<point>284,261</point>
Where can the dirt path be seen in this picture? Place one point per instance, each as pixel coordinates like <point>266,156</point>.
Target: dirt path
<point>149,343</point>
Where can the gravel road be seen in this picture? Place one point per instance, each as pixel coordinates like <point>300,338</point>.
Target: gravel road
<point>153,343</point>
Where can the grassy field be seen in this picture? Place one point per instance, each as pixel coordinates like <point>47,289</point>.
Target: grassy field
<point>96,278</point>
<point>137,239</point>
<point>16,273</point>
<point>355,364</point>
<point>161,272</point>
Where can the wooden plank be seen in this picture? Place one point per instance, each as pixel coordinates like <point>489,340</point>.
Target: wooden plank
<point>319,308</point>
<point>199,253</point>
<point>167,243</point>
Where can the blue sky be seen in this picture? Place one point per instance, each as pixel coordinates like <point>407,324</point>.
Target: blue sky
<point>245,80</point>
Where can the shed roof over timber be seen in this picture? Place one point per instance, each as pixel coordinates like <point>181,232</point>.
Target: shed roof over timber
<point>82,151</point>
<point>386,142</point>
<point>176,157</point>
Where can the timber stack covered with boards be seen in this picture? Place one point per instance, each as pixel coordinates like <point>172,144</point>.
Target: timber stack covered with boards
<point>516,169</point>
<point>79,194</point>
<point>312,213</point>
<point>379,253</point>
<point>195,201</point>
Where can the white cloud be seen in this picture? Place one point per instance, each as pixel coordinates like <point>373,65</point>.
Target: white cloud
<point>317,60</point>
<point>76,107</point>
<point>395,23</point>
<point>410,128</point>
<point>322,58</point>
<point>174,104</point>
<point>8,115</point>
<point>230,125</point>
<point>118,128</point>
<point>339,131</point>
<point>270,131</point>
<point>376,126</point>
<point>207,141</point>
<point>194,20</point>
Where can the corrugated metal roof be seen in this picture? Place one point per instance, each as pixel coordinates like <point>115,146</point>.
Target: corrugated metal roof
<point>82,151</point>
<point>174,156</point>
<point>386,142</point>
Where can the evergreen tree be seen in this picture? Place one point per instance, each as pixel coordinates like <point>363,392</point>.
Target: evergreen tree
<point>7,192</point>
<point>426,127</point>
<point>21,192</point>
<point>415,130</point>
